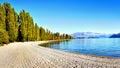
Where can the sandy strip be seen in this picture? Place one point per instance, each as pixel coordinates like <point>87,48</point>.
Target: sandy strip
<point>30,55</point>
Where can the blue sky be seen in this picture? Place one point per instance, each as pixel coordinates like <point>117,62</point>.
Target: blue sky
<point>69,16</point>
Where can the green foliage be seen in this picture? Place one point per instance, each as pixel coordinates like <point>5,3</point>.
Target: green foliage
<point>23,25</point>
<point>49,35</point>
<point>14,27</point>
<point>57,35</point>
<point>2,17</point>
<point>42,33</point>
<point>11,21</point>
<point>68,36</point>
<point>37,33</point>
<point>29,27</point>
<point>4,38</point>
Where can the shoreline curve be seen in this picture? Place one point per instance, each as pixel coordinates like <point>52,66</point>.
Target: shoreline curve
<point>30,55</point>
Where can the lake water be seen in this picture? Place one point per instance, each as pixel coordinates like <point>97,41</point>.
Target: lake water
<point>99,47</point>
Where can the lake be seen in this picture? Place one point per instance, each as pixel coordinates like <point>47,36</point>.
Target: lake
<point>98,47</point>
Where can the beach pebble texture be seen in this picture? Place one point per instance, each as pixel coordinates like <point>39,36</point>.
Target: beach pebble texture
<point>30,55</point>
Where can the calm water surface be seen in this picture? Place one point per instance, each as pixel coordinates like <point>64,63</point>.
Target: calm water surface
<point>99,47</point>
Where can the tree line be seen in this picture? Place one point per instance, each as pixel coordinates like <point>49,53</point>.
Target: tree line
<point>21,27</point>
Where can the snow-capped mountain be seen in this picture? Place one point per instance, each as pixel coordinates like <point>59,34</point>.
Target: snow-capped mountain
<point>90,35</point>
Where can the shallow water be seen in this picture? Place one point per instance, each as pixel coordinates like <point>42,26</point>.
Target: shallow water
<point>99,47</point>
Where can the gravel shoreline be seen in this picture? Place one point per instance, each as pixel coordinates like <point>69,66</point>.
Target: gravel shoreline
<point>30,55</point>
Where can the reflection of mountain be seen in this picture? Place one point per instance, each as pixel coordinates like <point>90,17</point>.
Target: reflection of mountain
<point>90,35</point>
<point>115,36</point>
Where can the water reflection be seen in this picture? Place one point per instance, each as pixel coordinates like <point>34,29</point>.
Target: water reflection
<point>99,47</point>
<point>56,44</point>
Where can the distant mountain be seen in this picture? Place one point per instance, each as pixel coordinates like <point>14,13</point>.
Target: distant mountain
<point>115,36</point>
<point>90,35</point>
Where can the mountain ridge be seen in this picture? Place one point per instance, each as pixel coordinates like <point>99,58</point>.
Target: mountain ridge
<point>90,35</point>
